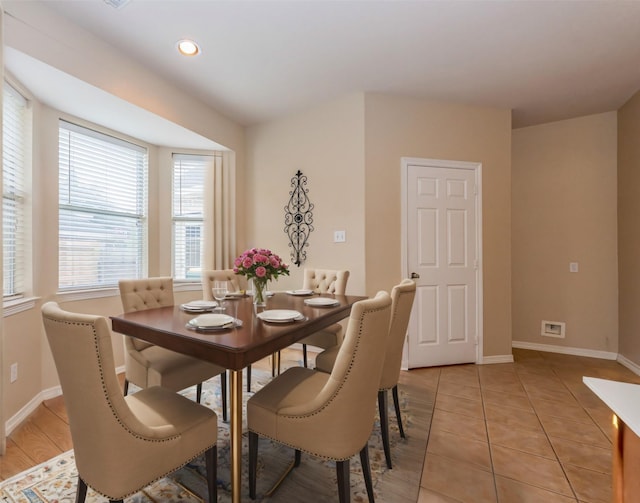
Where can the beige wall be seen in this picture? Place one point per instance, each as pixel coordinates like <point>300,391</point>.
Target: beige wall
<point>403,127</point>
<point>326,143</point>
<point>564,210</point>
<point>351,149</point>
<point>628,228</point>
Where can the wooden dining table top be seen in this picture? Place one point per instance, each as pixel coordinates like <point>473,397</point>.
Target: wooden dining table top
<point>233,348</point>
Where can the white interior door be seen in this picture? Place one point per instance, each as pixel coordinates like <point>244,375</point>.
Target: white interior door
<point>442,255</point>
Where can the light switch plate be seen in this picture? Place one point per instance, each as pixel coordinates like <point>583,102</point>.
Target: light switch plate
<point>339,236</point>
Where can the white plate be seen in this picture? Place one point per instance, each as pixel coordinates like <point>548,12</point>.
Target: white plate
<point>199,305</point>
<point>321,302</point>
<point>280,315</point>
<point>300,292</point>
<point>216,320</point>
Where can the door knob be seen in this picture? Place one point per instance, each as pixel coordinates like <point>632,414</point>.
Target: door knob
<point>414,275</point>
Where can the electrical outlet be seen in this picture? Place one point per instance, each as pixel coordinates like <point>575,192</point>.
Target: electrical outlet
<point>14,372</point>
<point>339,236</point>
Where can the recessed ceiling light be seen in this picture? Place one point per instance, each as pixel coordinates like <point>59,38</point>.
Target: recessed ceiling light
<point>116,4</point>
<point>188,48</point>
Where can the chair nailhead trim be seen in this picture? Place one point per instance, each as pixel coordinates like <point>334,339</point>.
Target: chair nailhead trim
<point>305,450</point>
<point>111,497</point>
<point>113,411</point>
<point>300,417</point>
<point>104,387</point>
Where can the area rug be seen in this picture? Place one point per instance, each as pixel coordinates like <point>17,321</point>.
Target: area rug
<point>314,480</point>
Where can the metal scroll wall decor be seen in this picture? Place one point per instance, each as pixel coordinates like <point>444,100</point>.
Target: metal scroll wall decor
<point>298,218</point>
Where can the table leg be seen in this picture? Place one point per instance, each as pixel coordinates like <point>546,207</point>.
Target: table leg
<point>618,460</point>
<point>236,435</point>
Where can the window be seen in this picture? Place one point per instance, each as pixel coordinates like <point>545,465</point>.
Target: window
<point>189,175</point>
<point>15,132</point>
<point>102,203</point>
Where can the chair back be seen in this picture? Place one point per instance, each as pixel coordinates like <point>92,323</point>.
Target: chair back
<point>346,404</point>
<point>121,444</point>
<point>100,420</point>
<point>146,293</point>
<point>325,281</point>
<point>237,282</point>
<point>402,297</point>
<point>141,294</point>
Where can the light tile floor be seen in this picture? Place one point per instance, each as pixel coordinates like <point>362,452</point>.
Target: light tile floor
<point>528,431</point>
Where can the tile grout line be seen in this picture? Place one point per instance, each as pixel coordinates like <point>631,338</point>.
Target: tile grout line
<point>546,435</point>
<point>486,428</point>
<point>553,369</point>
<point>564,472</point>
<point>426,448</point>
<point>429,437</point>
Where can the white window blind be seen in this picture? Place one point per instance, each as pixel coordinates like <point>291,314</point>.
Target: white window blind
<point>15,131</point>
<point>189,176</point>
<point>102,209</point>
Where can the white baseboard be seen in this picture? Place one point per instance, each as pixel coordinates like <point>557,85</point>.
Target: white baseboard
<point>34,403</point>
<point>51,393</point>
<point>550,348</point>
<point>30,407</point>
<point>633,367</point>
<point>487,360</point>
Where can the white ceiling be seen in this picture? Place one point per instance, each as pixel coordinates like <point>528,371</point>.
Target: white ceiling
<point>69,94</point>
<point>546,60</point>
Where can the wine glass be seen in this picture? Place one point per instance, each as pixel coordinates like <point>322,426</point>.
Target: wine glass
<point>220,290</point>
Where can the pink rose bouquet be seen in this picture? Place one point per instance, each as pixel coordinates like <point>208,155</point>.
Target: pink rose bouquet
<point>260,264</point>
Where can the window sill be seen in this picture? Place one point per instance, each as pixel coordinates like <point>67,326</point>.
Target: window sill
<point>186,286</point>
<point>74,295</point>
<point>98,293</point>
<point>11,307</point>
<point>15,306</point>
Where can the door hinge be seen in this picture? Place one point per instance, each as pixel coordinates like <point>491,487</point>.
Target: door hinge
<point>475,264</point>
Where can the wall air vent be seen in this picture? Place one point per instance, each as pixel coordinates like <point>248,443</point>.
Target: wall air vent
<point>553,329</point>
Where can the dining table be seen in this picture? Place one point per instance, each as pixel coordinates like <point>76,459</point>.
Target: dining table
<point>237,346</point>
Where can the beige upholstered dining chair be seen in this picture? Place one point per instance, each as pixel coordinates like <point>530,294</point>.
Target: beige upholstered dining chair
<point>149,365</point>
<point>402,297</point>
<point>122,444</point>
<point>324,281</point>
<point>327,415</point>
